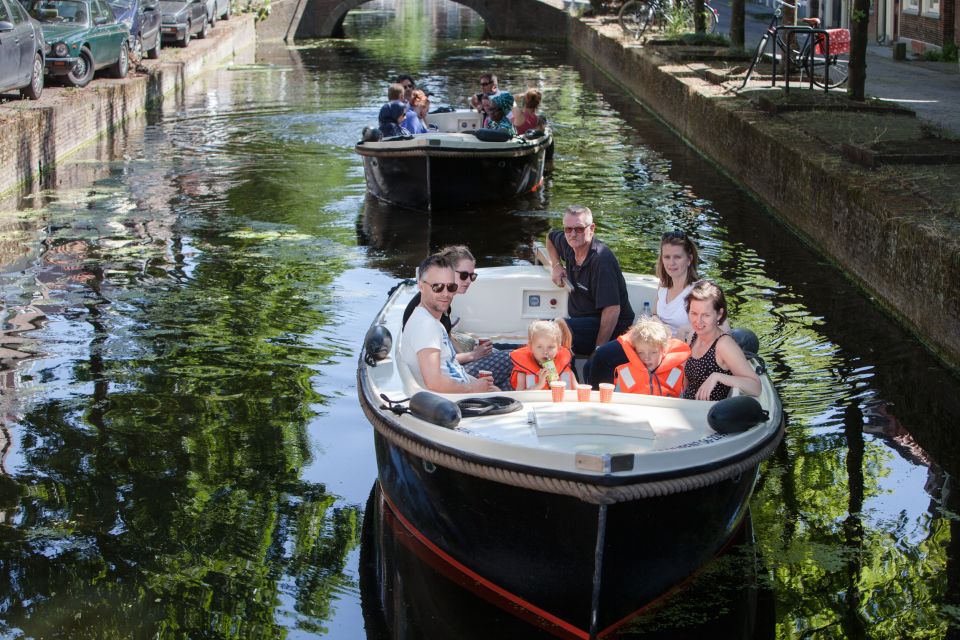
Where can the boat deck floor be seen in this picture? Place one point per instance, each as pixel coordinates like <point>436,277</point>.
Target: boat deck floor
<point>594,427</point>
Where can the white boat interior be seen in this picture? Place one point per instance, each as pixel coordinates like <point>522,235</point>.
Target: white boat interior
<point>663,435</point>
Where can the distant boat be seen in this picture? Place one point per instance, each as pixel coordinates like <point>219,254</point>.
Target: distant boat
<point>459,163</point>
<point>570,514</point>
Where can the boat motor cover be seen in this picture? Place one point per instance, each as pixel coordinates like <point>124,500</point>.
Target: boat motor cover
<point>493,135</point>
<point>435,409</point>
<point>748,341</point>
<point>736,414</point>
<point>377,344</point>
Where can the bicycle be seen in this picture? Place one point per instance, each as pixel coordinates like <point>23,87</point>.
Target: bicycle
<point>636,16</point>
<point>827,69</point>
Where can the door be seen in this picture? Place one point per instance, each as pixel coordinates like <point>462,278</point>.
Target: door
<point>9,50</point>
<point>108,34</point>
<point>27,38</point>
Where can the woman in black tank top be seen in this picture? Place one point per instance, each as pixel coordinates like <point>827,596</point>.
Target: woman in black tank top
<point>716,364</point>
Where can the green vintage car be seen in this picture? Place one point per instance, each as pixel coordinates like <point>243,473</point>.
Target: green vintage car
<point>82,36</point>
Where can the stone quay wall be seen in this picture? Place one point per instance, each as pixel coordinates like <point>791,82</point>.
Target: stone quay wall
<point>876,237</point>
<point>35,136</point>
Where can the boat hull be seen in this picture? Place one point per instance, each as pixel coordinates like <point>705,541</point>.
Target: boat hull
<point>536,552</point>
<point>444,181</point>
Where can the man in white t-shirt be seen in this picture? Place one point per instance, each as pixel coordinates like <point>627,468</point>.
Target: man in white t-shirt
<point>425,345</point>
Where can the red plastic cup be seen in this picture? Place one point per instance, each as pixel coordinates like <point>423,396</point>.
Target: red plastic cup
<point>583,393</point>
<point>483,373</point>
<point>606,392</point>
<point>557,388</point>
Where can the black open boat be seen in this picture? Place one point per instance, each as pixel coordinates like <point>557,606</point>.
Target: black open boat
<point>573,514</point>
<point>459,163</point>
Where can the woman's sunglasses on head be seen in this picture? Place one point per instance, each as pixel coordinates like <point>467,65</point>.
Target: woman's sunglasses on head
<point>438,287</point>
<point>467,274</point>
<point>676,234</point>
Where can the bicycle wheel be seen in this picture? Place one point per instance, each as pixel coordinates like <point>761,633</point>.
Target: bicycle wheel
<point>710,19</point>
<point>635,16</point>
<point>757,57</point>
<point>837,70</point>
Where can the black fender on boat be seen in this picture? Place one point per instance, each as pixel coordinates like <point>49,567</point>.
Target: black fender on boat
<point>736,414</point>
<point>748,341</point>
<point>371,134</point>
<point>493,135</point>
<point>377,344</point>
<point>435,409</point>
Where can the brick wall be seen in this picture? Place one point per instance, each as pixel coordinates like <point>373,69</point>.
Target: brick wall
<point>34,136</point>
<point>924,30</point>
<point>875,235</point>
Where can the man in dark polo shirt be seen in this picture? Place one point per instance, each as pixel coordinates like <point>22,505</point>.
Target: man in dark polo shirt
<point>598,306</point>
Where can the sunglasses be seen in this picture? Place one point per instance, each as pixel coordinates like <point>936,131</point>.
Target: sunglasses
<point>467,274</point>
<point>575,230</point>
<point>486,83</point>
<point>676,234</point>
<point>408,86</point>
<point>438,287</point>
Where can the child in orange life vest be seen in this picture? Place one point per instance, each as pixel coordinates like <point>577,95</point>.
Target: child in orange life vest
<point>547,357</point>
<point>654,360</point>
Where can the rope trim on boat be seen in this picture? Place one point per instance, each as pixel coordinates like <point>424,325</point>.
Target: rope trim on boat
<point>434,152</point>
<point>594,494</point>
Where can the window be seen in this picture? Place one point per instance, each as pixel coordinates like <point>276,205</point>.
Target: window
<point>19,14</point>
<point>931,7</point>
<point>911,6</point>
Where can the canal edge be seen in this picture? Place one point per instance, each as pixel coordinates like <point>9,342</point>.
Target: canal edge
<point>35,137</point>
<point>884,252</point>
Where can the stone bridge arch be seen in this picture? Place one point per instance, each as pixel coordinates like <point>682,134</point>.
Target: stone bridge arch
<point>508,19</point>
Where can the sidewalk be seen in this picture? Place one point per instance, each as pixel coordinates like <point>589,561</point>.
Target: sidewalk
<point>932,89</point>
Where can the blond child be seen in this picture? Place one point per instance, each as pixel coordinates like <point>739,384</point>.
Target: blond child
<point>547,357</point>
<point>654,360</point>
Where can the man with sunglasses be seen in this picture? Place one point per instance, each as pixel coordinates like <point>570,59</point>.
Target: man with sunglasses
<point>408,85</point>
<point>425,344</point>
<point>489,88</point>
<point>597,304</point>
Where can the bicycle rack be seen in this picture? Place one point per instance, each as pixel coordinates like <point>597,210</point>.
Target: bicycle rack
<point>808,51</point>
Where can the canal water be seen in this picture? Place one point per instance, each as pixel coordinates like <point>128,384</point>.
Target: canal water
<point>184,455</point>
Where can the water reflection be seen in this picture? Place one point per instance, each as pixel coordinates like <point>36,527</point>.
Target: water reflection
<point>408,592</point>
<point>398,239</point>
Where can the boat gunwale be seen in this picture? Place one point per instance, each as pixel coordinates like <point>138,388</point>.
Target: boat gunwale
<point>508,149</point>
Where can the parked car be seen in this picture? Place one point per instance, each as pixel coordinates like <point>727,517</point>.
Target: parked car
<point>82,36</point>
<point>21,51</point>
<point>217,9</point>
<point>142,18</point>
<point>182,19</point>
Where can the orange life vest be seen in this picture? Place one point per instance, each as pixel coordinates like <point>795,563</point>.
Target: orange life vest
<point>524,364</point>
<point>666,380</point>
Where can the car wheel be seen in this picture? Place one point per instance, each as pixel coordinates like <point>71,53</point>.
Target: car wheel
<point>205,29</point>
<point>35,88</point>
<point>82,72</point>
<point>138,48</point>
<point>154,53</point>
<point>186,35</point>
<point>122,65</point>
